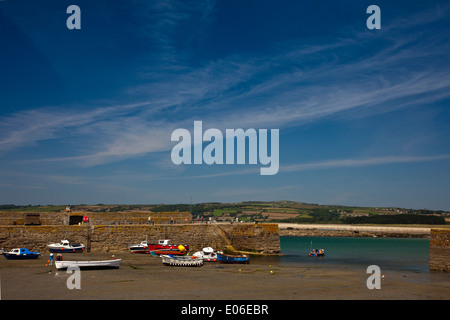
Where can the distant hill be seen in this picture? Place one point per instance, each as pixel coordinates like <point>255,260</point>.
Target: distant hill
<point>267,211</point>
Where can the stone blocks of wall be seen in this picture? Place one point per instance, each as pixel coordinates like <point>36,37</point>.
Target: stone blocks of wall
<point>440,250</point>
<point>261,238</point>
<point>100,218</point>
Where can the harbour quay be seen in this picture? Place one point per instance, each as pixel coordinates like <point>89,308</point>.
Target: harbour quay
<point>115,231</point>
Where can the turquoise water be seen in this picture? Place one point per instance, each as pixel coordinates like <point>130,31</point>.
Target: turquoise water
<point>410,254</point>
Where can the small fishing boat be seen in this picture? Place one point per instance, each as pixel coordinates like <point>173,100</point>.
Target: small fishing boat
<point>145,247</point>
<point>20,254</point>
<point>181,261</point>
<point>232,258</point>
<point>207,254</point>
<point>65,247</point>
<point>139,248</point>
<point>179,251</point>
<point>317,253</point>
<point>101,264</point>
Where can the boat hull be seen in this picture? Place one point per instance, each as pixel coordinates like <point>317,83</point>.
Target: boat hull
<point>141,249</point>
<point>168,251</point>
<point>183,261</point>
<point>207,254</point>
<point>228,258</point>
<point>317,253</point>
<point>11,256</point>
<point>102,264</point>
<point>21,254</point>
<point>66,250</point>
<point>209,259</point>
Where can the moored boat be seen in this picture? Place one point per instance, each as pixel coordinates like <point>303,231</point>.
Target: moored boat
<point>100,264</point>
<point>181,261</point>
<point>207,254</point>
<point>232,258</point>
<point>317,253</point>
<point>139,248</point>
<point>66,247</point>
<point>145,247</point>
<point>20,254</point>
<point>179,251</point>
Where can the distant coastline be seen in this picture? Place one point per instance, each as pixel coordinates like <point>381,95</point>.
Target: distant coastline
<point>339,230</point>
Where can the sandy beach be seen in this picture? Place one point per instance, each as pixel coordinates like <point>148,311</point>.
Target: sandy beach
<point>145,277</point>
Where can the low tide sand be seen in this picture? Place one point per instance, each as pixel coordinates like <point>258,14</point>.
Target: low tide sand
<point>145,277</point>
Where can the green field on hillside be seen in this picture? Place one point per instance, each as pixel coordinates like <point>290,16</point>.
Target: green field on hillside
<point>270,211</point>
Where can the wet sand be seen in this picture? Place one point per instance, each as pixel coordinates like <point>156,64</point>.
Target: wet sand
<point>144,277</point>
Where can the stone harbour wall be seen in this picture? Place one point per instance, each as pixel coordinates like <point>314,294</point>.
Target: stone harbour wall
<point>261,238</point>
<point>440,250</point>
<point>98,218</point>
<point>256,238</point>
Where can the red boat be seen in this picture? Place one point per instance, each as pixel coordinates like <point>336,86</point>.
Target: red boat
<point>145,247</point>
<point>179,251</point>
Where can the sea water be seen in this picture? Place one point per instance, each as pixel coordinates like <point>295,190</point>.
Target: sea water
<point>389,253</point>
<point>398,254</point>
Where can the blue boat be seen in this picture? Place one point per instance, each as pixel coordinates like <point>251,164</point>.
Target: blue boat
<point>317,253</point>
<point>20,254</point>
<point>232,258</point>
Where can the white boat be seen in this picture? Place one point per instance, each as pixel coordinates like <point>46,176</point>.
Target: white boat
<point>65,247</point>
<point>181,261</point>
<point>139,248</point>
<point>207,254</point>
<point>101,264</point>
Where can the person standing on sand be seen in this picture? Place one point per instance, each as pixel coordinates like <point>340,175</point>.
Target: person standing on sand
<point>50,259</point>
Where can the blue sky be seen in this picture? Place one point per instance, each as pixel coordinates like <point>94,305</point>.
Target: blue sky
<point>86,116</point>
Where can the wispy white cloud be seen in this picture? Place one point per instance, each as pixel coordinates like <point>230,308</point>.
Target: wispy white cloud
<point>27,127</point>
<point>330,164</point>
<point>286,86</point>
<point>324,165</point>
